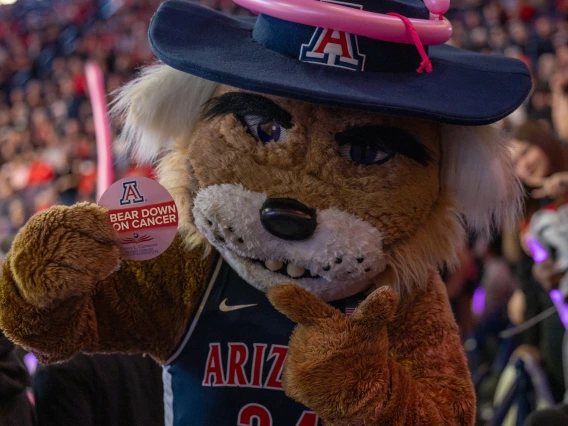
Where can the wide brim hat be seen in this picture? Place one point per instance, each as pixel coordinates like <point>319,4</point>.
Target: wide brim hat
<point>276,57</point>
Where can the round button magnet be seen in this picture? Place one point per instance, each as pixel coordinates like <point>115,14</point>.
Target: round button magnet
<point>144,214</point>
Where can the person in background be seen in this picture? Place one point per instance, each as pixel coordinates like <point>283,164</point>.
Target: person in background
<point>460,285</point>
<point>552,187</point>
<point>498,283</point>
<point>16,408</point>
<point>559,87</point>
<point>538,155</point>
<point>100,390</point>
<point>548,276</point>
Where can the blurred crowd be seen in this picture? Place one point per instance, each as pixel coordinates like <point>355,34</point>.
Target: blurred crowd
<point>534,31</point>
<point>48,156</point>
<point>47,136</point>
<point>501,299</point>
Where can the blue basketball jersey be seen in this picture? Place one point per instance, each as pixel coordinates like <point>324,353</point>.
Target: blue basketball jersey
<point>227,369</point>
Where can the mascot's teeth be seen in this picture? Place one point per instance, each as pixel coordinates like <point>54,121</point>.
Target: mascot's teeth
<point>273,265</point>
<point>294,271</point>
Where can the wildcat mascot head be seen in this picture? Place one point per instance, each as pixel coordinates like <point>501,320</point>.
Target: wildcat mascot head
<point>323,158</point>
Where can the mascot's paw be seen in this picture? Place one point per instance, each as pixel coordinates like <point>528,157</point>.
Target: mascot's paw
<point>62,252</point>
<point>336,364</point>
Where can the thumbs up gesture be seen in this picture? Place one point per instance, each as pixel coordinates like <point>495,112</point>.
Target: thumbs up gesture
<point>336,365</point>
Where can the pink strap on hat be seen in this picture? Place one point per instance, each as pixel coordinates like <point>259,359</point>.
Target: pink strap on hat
<point>425,64</point>
<point>355,21</point>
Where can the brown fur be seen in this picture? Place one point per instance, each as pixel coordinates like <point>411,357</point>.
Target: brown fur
<point>61,292</point>
<point>418,221</point>
<point>379,367</point>
<point>58,299</point>
<point>308,168</point>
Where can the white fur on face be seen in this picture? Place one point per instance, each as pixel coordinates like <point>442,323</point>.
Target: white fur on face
<point>343,255</point>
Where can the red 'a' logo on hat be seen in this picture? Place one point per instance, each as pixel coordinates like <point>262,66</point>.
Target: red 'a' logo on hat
<point>334,48</point>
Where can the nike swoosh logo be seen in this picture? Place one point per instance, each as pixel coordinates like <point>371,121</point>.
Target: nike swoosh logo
<point>224,308</point>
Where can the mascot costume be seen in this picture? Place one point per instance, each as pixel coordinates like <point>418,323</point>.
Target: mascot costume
<point>325,159</point>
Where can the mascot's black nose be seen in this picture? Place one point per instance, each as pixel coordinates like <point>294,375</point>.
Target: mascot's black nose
<point>288,219</point>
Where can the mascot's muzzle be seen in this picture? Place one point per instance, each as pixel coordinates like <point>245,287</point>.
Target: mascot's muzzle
<point>288,219</point>
<point>276,239</point>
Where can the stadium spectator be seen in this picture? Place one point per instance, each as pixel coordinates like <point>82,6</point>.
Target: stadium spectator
<point>538,155</point>
<point>100,390</point>
<point>15,407</point>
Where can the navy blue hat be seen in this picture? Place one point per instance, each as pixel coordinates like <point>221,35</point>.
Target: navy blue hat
<point>276,57</point>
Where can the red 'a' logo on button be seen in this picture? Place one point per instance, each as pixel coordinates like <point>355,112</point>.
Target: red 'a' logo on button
<point>130,193</point>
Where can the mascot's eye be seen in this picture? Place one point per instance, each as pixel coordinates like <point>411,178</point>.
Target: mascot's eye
<point>269,131</point>
<point>364,153</point>
<point>265,130</point>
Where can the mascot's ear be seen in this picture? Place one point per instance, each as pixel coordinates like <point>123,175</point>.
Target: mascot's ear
<point>478,173</point>
<point>158,106</point>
